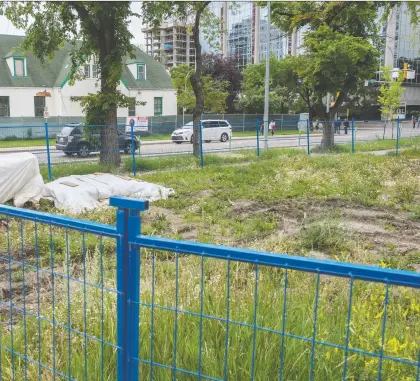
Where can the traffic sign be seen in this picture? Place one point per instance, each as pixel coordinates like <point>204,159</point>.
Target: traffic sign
<point>46,114</point>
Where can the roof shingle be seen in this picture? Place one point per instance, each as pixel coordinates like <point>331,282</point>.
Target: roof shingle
<point>55,72</point>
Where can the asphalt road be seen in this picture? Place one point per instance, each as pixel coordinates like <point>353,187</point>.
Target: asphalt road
<point>165,147</point>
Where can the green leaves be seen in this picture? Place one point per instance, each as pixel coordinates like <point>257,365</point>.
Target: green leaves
<point>390,93</point>
<point>215,91</point>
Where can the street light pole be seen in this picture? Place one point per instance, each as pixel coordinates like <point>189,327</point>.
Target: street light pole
<point>267,80</point>
<point>185,91</point>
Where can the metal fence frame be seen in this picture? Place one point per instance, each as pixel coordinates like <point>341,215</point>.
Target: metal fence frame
<point>129,241</point>
<point>358,131</point>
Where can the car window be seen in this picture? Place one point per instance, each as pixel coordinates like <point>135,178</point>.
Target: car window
<point>67,130</point>
<point>77,131</point>
<point>222,123</point>
<point>188,125</point>
<point>210,124</point>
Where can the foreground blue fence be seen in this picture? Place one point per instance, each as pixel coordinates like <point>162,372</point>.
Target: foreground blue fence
<point>89,301</point>
<point>69,147</point>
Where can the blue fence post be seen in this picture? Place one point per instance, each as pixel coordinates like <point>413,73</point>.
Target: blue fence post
<point>201,145</point>
<point>133,147</point>
<point>47,141</point>
<point>257,131</point>
<point>307,135</point>
<point>128,286</point>
<point>398,136</point>
<point>352,135</point>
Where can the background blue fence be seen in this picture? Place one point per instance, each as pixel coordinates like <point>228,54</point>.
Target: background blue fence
<point>244,135</point>
<point>88,301</point>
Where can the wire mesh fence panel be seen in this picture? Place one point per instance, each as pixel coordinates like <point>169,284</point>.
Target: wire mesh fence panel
<point>58,305</point>
<point>218,313</point>
<point>88,301</point>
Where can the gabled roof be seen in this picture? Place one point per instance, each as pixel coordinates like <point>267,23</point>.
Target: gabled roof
<point>55,72</point>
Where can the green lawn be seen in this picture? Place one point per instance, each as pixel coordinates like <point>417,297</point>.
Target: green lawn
<point>25,143</point>
<point>367,211</point>
<point>374,145</point>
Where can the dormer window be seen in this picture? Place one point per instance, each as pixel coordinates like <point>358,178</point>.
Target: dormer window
<point>19,67</point>
<point>141,71</point>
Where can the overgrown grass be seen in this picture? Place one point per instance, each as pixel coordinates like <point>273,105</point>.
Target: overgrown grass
<point>158,273</point>
<point>232,204</point>
<point>370,146</point>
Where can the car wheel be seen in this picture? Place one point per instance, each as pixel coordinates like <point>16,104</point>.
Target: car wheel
<point>178,142</point>
<point>192,139</point>
<point>69,153</point>
<point>127,148</point>
<point>224,138</point>
<point>83,150</point>
<point>207,141</point>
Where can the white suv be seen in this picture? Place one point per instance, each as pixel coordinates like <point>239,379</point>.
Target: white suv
<point>212,130</point>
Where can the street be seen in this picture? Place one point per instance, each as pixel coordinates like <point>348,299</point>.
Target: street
<point>166,147</point>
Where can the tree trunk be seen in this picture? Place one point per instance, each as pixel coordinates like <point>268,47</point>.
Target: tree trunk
<point>196,81</point>
<point>110,153</point>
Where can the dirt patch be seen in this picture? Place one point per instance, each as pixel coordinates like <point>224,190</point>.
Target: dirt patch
<point>382,229</point>
<point>176,223</point>
<point>23,288</point>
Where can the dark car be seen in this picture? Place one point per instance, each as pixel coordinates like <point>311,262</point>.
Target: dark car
<point>71,140</point>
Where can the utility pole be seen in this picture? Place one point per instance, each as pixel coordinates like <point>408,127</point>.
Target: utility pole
<point>267,80</point>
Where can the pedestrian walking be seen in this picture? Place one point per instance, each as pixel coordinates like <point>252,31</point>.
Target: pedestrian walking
<point>346,125</point>
<point>337,126</point>
<point>272,126</point>
<point>262,129</point>
<point>418,122</point>
<point>414,122</point>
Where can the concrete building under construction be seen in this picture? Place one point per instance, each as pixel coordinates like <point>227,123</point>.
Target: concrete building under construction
<point>171,44</point>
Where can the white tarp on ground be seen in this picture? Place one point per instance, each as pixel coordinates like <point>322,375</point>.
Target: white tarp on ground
<point>86,192</point>
<point>20,179</point>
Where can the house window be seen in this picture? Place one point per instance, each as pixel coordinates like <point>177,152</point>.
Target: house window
<point>158,106</point>
<point>39,106</point>
<point>141,71</point>
<point>94,71</point>
<point>4,106</point>
<point>19,64</point>
<point>132,107</point>
<point>87,71</point>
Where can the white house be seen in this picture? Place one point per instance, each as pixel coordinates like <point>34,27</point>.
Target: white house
<point>22,76</point>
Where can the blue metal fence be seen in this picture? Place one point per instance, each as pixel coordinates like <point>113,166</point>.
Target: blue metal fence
<point>245,135</point>
<point>90,301</point>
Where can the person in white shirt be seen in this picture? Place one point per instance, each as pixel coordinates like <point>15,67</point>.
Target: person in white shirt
<point>272,126</point>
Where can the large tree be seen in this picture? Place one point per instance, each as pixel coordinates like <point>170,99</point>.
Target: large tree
<point>340,44</point>
<point>156,12</point>
<point>95,30</point>
<point>225,69</point>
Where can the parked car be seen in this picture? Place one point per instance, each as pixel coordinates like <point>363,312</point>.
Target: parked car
<point>212,130</point>
<point>71,140</point>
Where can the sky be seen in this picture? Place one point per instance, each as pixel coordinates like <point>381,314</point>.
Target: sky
<point>6,27</point>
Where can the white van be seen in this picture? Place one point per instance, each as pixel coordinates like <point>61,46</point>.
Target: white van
<point>212,130</point>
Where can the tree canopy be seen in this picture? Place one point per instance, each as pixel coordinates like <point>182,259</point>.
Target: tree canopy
<point>340,41</point>
<point>215,91</point>
<point>225,69</point>
<point>95,30</point>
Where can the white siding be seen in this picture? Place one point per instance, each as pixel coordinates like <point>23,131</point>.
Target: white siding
<point>22,100</point>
